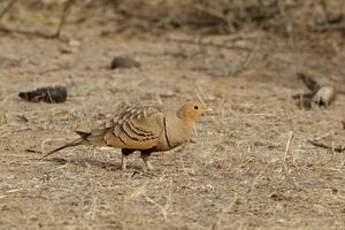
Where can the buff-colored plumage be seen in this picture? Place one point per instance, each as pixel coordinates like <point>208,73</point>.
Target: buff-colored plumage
<point>146,129</point>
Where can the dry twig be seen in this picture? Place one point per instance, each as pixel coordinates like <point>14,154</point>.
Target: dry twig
<point>287,150</point>
<point>65,13</point>
<point>339,148</point>
<point>197,42</point>
<point>321,94</point>
<point>7,8</point>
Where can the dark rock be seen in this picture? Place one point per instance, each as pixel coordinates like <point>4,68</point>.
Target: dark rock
<point>57,94</point>
<point>124,62</point>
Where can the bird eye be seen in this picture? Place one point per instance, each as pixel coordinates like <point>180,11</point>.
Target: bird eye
<point>196,107</point>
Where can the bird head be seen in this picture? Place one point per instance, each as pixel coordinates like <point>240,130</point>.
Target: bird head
<point>191,110</point>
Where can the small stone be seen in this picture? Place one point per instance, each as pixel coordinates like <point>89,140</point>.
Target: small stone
<point>124,62</point>
<point>211,98</point>
<point>167,93</point>
<point>74,43</point>
<point>71,47</point>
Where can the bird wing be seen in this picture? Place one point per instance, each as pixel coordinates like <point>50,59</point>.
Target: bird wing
<point>136,128</point>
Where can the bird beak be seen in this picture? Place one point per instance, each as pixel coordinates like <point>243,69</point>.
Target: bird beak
<point>208,110</point>
<point>205,110</point>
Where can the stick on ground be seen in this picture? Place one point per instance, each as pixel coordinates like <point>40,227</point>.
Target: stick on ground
<point>287,149</point>
<point>338,148</point>
<point>65,13</point>
<point>7,8</point>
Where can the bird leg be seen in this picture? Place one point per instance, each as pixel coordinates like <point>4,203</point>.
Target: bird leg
<point>125,154</point>
<point>124,162</point>
<point>145,154</point>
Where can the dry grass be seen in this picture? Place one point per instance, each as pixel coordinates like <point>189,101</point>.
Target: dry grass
<point>252,167</point>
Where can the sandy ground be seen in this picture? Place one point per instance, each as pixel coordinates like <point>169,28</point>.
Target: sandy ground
<point>237,176</point>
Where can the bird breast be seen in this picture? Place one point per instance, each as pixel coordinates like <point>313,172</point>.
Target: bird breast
<point>175,133</point>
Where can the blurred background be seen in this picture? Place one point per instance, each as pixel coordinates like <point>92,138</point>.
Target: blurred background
<point>253,31</point>
<point>293,19</point>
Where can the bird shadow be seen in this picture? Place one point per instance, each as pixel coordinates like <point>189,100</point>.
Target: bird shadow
<point>109,166</point>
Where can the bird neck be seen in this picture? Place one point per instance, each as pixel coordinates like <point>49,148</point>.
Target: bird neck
<point>180,114</point>
<point>183,116</point>
<point>187,122</point>
<point>178,130</point>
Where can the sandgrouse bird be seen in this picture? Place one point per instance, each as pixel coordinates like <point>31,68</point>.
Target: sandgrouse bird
<point>145,129</point>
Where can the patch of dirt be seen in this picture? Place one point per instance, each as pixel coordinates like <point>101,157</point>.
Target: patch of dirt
<point>239,174</point>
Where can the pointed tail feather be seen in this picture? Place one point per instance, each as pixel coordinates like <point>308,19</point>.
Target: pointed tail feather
<point>76,142</point>
<point>83,135</point>
<point>93,138</point>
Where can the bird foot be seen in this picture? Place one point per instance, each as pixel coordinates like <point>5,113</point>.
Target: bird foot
<point>124,163</point>
<point>147,165</point>
<point>192,140</point>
